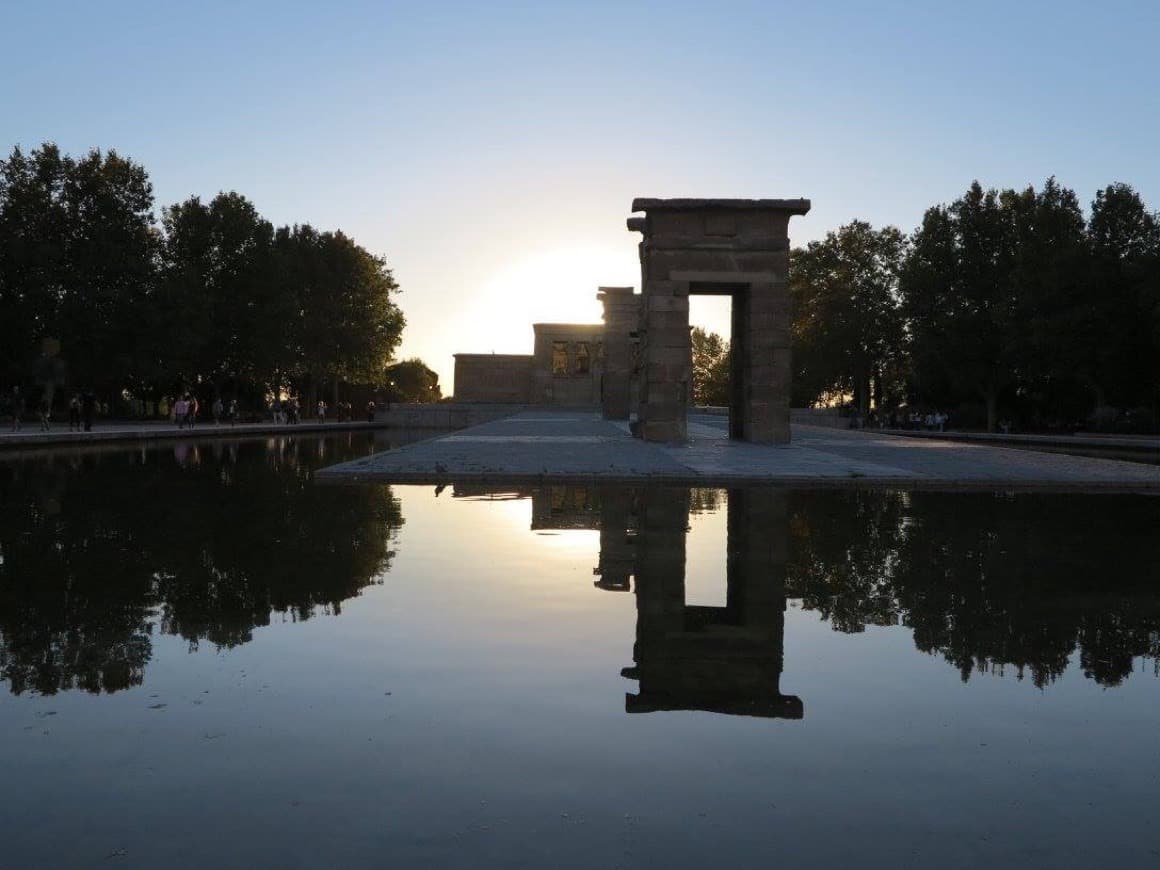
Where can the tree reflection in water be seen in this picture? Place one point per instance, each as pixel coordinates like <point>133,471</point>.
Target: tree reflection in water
<point>990,581</point>
<point>100,549</point>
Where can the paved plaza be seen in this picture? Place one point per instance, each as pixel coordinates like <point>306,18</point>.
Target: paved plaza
<point>578,445</point>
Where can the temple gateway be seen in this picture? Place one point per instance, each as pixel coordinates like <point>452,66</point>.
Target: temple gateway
<point>637,364</point>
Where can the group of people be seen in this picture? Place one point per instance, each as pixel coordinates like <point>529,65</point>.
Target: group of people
<point>187,407</point>
<point>932,421</point>
<point>290,411</point>
<point>186,411</point>
<point>82,408</point>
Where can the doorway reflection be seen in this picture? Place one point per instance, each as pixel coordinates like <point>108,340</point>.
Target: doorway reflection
<point>688,657</point>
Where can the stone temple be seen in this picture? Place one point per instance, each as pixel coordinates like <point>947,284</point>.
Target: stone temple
<point>637,364</point>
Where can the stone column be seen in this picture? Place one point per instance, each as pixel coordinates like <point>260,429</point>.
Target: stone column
<point>766,365</point>
<point>667,361</point>
<point>620,321</point>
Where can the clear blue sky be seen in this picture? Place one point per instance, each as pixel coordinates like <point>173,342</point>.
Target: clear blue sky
<point>491,150</point>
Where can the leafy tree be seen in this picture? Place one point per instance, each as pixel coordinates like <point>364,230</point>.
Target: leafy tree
<point>350,324</point>
<point>77,263</point>
<point>958,298</point>
<point>1048,286</point>
<point>1119,345</point>
<point>847,326</point>
<point>711,364</point>
<point>411,381</point>
<point>218,293</point>
<point>33,262</point>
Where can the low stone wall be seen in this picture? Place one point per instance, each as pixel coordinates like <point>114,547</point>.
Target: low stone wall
<point>444,415</point>
<point>819,417</point>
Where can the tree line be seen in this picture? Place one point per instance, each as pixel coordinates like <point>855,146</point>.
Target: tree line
<point>1002,305</point>
<point>96,294</point>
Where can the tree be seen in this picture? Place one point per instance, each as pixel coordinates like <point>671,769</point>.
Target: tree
<point>77,263</point>
<point>958,298</point>
<point>33,234</point>
<point>711,363</point>
<point>847,327</point>
<point>1048,283</point>
<point>349,323</point>
<point>412,381</point>
<point>218,293</point>
<point>1120,338</point>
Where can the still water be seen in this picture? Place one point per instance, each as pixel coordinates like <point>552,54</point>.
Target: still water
<point>206,660</point>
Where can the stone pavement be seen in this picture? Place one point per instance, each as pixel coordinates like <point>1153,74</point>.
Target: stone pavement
<point>562,445</point>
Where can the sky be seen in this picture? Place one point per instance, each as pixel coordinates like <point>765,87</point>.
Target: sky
<point>491,151</point>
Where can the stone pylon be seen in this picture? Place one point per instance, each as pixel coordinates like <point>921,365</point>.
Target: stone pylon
<point>726,247</point>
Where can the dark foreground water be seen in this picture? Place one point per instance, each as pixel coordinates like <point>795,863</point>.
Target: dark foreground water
<point>208,661</point>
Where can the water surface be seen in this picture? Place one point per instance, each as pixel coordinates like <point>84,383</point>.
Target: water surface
<point>208,660</point>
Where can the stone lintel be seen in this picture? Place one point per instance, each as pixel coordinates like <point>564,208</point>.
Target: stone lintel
<point>495,356</point>
<point>697,277</point>
<point>568,327</point>
<point>669,242</point>
<point>793,206</point>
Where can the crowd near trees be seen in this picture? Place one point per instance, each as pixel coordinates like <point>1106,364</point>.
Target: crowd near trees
<point>1003,306</point>
<point>98,295</point>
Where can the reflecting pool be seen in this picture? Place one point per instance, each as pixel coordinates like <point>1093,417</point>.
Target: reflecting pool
<point>208,660</point>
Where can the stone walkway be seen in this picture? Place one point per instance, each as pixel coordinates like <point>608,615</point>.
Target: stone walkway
<point>544,445</point>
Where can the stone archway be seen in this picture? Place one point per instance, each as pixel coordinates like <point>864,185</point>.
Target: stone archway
<point>738,247</point>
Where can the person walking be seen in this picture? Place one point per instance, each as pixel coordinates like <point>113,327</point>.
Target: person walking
<point>191,415</point>
<point>321,411</point>
<point>74,413</point>
<point>88,409</point>
<point>16,406</point>
<point>216,410</point>
<point>233,412</point>
<point>371,411</point>
<point>180,409</point>
<point>45,411</point>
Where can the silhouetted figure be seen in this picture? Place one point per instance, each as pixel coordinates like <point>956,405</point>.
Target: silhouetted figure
<point>88,409</point>
<point>74,413</point>
<point>45,411</point>
<point>371,411</point>
<point>16,405</point>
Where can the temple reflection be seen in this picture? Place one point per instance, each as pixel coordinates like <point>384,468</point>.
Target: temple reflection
<point>688,657</point>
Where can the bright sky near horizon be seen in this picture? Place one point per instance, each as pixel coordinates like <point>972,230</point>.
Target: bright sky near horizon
<point>490,151</point>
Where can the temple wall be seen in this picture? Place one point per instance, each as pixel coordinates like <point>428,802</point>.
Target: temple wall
<point>567,364</point>
<point>491,377</point>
